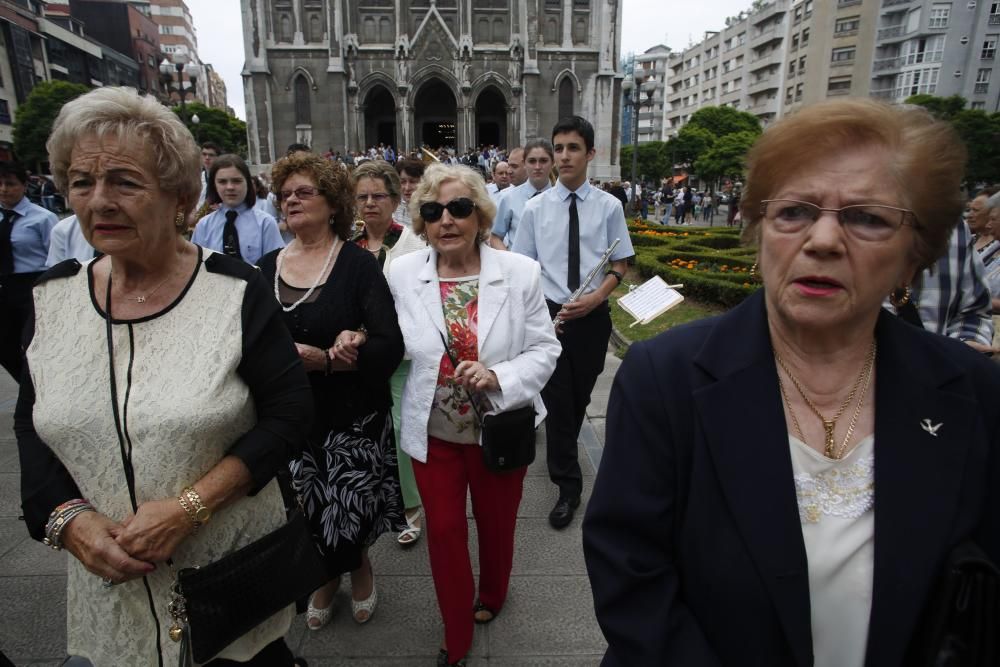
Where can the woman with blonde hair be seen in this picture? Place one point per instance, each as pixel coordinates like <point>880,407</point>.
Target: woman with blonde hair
<point>142,454</point>
<point>462,301</point>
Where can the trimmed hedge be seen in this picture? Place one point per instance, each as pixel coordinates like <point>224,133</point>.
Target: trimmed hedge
<point>708,261</point>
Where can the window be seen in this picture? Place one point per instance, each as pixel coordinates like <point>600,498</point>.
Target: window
<point>802,64</point>
<point>4,113</point>
<point>983,80</point>
<point>808,8</point>
<point>789,94</point>
<point>791,68</point>
<point>566,95</point>
<point>838,85</point>
<point>843,55</point>
<point>798,91</point>
<point>846,25</point>
<point>981,106</point>
<point>805,36</point>
<point>798,13</point>
<point>923,50</point>
<point>989,48</point>
<point>995,13</point>
<point>940,13</point>
<point>916,82</point>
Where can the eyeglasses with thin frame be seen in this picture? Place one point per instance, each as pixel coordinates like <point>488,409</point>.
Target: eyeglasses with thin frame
<point>379,197</point>
<point>864,222</point>
<point>303,193</point>
<point>459,208</point>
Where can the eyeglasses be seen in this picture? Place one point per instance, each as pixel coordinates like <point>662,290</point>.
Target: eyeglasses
<point>864,222</point>
<point>457,208</point>
<point>379,197</point>
<point>303,193</point>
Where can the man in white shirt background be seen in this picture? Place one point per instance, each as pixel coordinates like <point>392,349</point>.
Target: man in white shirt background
<point>567,229</point>
<point>538,158</point>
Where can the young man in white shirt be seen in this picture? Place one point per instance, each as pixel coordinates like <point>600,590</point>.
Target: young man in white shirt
<point>567,229</point>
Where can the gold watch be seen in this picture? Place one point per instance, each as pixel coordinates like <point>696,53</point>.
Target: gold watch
<point>194,507</point>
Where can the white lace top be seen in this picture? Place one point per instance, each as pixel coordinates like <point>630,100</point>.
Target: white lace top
<point>836,507</point>
<point>186,407</point>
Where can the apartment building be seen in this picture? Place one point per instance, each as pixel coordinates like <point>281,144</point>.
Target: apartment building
<point>649,71</point>
<point>938,48</point>
<point>177,37</point>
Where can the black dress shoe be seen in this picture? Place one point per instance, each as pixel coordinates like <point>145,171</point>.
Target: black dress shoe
<point>442,660</point>
<point>562,514</point>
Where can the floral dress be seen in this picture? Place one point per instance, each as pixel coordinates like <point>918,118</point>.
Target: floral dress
<point>452,417</point>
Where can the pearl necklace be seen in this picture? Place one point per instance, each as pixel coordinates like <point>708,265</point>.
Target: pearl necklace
<point>319,277</point>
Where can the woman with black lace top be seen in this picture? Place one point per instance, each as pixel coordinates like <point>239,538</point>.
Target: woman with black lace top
<point>338,307</point>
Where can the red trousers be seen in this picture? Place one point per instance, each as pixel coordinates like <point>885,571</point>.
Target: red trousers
<point>450,470</point>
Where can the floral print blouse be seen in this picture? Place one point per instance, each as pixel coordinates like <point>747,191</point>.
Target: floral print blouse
<point>452,417</point>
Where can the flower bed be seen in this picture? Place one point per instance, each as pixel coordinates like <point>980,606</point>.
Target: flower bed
<point>709,262</point>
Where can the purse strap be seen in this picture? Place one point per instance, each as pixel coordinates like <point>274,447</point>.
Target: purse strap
<point>454,365</point>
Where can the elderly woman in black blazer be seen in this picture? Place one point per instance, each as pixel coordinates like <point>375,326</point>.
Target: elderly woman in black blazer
<point>781,485</point>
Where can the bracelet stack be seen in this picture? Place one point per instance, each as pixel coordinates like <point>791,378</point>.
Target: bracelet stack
<point>60,518</point>
<point>195,509</point>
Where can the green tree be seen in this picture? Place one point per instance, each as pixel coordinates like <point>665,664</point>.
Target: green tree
<point>653,163</point>
<point>690,143</point>
<point>727,158</point>
<point>34,118</point>
<point>215,125</point>
<point>943,107</point>
<point>720,121</point>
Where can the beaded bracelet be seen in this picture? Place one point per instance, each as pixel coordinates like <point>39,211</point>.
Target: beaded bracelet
<point>60,518</point>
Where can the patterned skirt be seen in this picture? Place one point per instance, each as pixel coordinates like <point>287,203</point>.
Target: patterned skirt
<point>349,485</point>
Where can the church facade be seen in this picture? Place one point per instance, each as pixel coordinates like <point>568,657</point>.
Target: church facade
<point>348,74</point>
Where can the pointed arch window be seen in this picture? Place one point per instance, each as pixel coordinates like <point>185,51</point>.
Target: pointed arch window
<point>566,91</point>
<point>303,103</point>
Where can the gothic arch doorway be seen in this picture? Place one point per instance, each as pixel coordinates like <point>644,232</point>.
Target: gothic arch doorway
<point>435,115</point>
<point>491,118</point>
<point>380,118</point>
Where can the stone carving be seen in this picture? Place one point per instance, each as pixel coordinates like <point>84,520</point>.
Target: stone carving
<point>465,47</point>
<point>516,61</point>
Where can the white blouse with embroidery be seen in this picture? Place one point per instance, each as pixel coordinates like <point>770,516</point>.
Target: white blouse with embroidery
<point>836,507</point>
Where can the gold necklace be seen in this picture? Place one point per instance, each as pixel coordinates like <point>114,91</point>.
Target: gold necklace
<point>830,448</point>
<point>143,297</point>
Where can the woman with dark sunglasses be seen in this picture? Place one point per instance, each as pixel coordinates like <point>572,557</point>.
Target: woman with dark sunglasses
<point>487,306</point>
<point>338,308</point>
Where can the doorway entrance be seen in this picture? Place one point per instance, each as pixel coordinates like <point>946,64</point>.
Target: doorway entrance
<point>435,115</point>
<point>380,118</point>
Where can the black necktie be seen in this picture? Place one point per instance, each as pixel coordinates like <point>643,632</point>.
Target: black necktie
<point>573,267</point>
<point>6,247</point>
<point>230,237</point>
<point>537,192</point>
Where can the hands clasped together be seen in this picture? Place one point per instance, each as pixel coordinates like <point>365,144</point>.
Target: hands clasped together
<point>343,356</point>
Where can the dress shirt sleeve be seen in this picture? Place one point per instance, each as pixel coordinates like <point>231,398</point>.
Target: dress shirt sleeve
<point>524,237</point>
<point>45,481</point>
<point>522,377</point>
<point>58,246</point>
<point>618,229</point>
<point>379,357</point>
<point>200,235</point>
<point>501,223</point>
<point>970,318</point>
<point>630,527</point>
<point>282,397</point>
<point>270,235</point>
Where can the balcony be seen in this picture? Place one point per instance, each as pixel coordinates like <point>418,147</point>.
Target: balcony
<point>994,19</point>
<point>768,10</point>
<point>767,106</point>
<point>775,57</point>
<point>883,93</point>
<point>734,73</point>
<point>981,88</point>
<point>769,34</point>
<point>894,3</point>
<point>887,65</point>
<point>763,84</point>
<point>891,32</point>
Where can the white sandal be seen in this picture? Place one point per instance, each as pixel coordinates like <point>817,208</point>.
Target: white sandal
<point>367,606</point>
<point>409,536</point>
<point>315,613</point>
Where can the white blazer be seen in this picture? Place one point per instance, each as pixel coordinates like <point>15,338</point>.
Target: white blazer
<point>516,339</point>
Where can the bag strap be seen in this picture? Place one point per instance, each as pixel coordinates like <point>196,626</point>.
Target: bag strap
<point>454,364</point>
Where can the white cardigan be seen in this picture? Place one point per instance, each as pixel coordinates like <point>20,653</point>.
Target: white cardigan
<point>516,338</point>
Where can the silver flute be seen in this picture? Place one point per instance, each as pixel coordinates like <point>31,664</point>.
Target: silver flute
<point>597,269</point>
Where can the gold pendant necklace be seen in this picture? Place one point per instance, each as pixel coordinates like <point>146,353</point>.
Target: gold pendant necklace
<point>830,448</point>
<point>143,297</point>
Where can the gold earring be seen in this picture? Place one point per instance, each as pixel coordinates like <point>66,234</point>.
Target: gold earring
<point>180,221</point>
<point>899,301</point>
<point>754,276</point>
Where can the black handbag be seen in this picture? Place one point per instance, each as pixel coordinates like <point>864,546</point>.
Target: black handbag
<point>216,604</point>
<point>508,438</point>
<point>960,623</point>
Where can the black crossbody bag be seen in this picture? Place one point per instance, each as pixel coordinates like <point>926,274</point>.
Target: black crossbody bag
<point>214,605</point>
<point>508,438</point>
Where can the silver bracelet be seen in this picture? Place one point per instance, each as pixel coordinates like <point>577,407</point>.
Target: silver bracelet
<point>58,521</point>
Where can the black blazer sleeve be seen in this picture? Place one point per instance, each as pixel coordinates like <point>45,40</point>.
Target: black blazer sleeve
<point>379,357</point>
<point>630,527</point>
<point>283,400</point>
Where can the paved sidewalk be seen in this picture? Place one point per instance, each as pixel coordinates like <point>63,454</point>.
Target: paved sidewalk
<point>548,619</point>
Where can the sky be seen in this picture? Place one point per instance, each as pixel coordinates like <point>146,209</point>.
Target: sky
<point>645,23</point>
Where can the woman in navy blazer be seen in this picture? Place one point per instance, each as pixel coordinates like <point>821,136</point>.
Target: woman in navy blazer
<point>781,485</point>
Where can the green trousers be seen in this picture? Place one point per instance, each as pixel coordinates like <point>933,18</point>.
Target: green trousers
<point>411,497</point>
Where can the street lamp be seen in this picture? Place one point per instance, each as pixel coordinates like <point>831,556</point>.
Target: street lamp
<point>194,122</point>
<point>636,97</point>
<point>180,62</point>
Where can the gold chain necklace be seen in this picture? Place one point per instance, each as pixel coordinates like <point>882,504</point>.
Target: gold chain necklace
<point>142,297</point>
<point>830,448</point>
